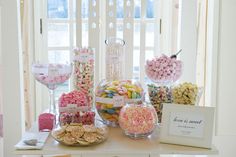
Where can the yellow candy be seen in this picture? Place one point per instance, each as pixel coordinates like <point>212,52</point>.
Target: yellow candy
<point>104,95</point>
<point>185,93</point>
<point>129,94</point>
<point>112,88</point>
<point>109,105</point>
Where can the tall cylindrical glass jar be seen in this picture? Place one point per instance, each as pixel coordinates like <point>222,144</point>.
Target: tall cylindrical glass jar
<point>84,72</point>
<point>115,57</point>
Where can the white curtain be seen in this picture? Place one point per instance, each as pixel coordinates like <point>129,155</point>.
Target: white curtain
<point>1,109</point>
<point>28,51</point>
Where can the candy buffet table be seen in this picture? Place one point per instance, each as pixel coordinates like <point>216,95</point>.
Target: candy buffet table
<point>118,145</point>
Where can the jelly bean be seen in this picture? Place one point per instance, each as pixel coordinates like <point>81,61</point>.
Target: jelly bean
<point>159,95</point>
<point>111,111</point>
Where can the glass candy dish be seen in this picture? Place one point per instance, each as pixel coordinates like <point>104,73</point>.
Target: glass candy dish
<point>138,120</point>
<point>81,135</point>
<point>51,75</point>
<point>111,96</point>
<point>163,70</point>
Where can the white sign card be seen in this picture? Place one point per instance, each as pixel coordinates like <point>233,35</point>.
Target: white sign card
<point>187,125</point>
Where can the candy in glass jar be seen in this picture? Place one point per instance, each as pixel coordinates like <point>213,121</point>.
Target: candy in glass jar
<point>115,58</point>
<point>84,72</point>
<point>159,95</point>
<point>186,93</point>
<point>74,108</point>
<point>164,69</point>
<point>138,120</point>
<point>111,96</point>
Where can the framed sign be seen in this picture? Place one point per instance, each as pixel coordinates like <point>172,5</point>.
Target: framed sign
<point>187,125</point>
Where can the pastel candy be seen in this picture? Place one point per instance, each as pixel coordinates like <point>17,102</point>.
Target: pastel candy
<point>163,69</point>
<point>185,93</point>
<point>51,74</point>
<point>75,97</point>
<point>138,119</point>
<point>84,72</point>
<point>159,95</point>
<point>108,89</point>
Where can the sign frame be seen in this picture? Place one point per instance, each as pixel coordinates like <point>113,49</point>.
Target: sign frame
<point>181,118</point>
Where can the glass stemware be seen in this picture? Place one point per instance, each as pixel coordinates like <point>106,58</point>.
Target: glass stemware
<point>51,75</point>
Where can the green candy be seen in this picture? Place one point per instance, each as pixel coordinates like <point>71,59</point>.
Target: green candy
<point>134,95</point>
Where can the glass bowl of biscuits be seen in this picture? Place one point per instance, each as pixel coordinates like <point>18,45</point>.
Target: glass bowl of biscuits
<point>77,134</point>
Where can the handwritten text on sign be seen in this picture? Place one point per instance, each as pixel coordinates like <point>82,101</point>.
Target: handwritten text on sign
<point>186,124</point>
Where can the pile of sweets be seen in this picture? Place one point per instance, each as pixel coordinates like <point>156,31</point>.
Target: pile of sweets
<point>186,93</point>
<point>85,118</point>
<point>84,72</point>
<point>138,119</point>
<point>163,69</point>
<point>80,114</point>
<point>51,74</point>
<point>159,95</point>
<point>75,97</point>
<point>109,90</point>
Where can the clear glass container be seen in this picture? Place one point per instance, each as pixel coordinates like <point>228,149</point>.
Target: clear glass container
<point>82,117</point>
<point>51,75</point>
<point>111,96</point>
<point>74,108</point>
<point>163,70</point>
<point>138,120</point>
<point>115,57</point>
<point>159,95</point>
<point>81,135</point>
<point>84,72</point>
<point>187,94</point>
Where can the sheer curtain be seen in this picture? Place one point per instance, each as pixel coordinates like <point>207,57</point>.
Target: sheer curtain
<point>28,51</point>
<point>1,109</point>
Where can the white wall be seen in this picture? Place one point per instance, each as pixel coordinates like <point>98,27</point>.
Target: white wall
<point>12,75</point>
<point>226,72</point>
<point>188,39</point>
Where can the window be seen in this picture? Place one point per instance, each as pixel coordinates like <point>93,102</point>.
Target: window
<point>71,23</point>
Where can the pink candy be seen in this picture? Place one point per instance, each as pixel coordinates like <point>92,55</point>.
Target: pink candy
<point>46,121</point>
<point>163,69</point>
<point>138,119</point>
<point>84,72</point>
<point>74,97</point>
<point>51,74</point>
<point>85,118</point>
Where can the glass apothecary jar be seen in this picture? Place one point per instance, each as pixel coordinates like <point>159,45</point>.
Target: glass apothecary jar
<point>111,96</point>
<point>159,95</point>
<point>138,120</point>
<point>84,72</point>
<point>115,57</point>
